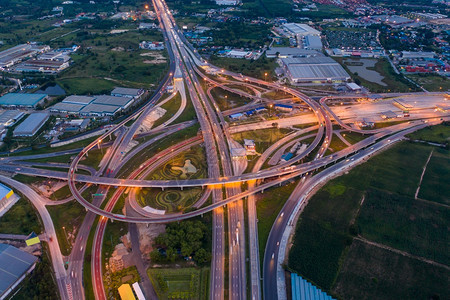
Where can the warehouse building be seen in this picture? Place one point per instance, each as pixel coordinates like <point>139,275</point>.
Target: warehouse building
<point>122,102</point>
<point>15,264</point>
<point>67,108</point>
<point>13,100</point>
<point>5,195</point>
<point>10,117</point>
<point>42,66</point>
<point>75,99</point>
<point>299,30</point>
<point>314,70</point>
<point>312,42</point>
<point>102,105</point>
<point>31,125</point>
<point>127,92</point>
<point>13,55</point>
<point>285,52</point>
<point>99,110</point>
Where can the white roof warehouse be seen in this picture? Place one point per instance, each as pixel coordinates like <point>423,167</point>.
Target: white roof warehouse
<point>31,125</point>
<point>314,69</point>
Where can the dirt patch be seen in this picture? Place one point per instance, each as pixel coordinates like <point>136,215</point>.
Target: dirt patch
<point>158,58</point>
<point>118,49</point>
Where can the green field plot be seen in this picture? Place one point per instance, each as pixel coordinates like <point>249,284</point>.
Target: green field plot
<point>171,108</point>
<point>268,206</point>
<point>182,283</point>
<point>370,272</point>
<point>436,134</point>
<point>67,219</point>
<point>336,144</point>
<point>361,229</point>
<point>227,100</point>
<point>20,219</point>
<point>253,68</point>
<point>435,184</point>
<point>432,83</point>
<point>416,227</point>
<point>263,137</point>
<point>86,85</point>
<point>353,137</point>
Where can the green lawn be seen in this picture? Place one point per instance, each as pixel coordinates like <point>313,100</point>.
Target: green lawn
<point>432,83</point>
<point>86,85</point>
<point>374,273</point>
<point>376,201</point>
<point>263,137</point>
<point>180,283</point>
<point>435,185</point>
<point>268,206</point>
<point>437,134</point>
<point>253,68</point>
<point>227,100</point>
<point>353,137</point>
<point>20,219</point>
<point>171,107</point>
<point>70,216</point>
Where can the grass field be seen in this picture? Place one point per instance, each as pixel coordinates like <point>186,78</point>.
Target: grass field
<point>374,273</point>
<point>263,137</point>
<point>336,144</point>
<point>253,68</point>
<point>67,219</point>
<point>432,83</point>
<point>353,137</point>
<point>375,201</point>
<point>437,134</point>
<point>20,219</point>
<point>180,283</point>
<point>435,184</point>
<point>86,85</point>
<point>268,206</point>
<point>227,100</point>
<point>171,108</point>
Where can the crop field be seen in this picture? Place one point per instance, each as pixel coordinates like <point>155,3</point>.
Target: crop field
<point>360,229</point>
<point>181,283</point>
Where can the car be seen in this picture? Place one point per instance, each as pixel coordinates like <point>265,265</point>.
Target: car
<point>273,255</point>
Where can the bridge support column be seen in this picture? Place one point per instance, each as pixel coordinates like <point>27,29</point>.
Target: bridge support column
<point>181,187</point>
<point>162,188</point>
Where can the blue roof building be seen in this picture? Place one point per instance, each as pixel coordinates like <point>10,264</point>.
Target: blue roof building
<point>303,290</point>
<point>22,100</point>
<point>15,264</point>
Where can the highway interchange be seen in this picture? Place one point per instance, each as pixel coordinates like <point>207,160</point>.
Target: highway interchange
<point>224,182</point>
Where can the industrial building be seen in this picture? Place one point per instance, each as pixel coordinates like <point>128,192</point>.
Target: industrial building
<point>299,30</point>
<point>285,52</point>
<point>31,125</point>
<point>81,100</point>
<point>101,105</point>
<point>13,55</point>
<point>314,70</point>
<point>5,194</point>
<point>312,42</point>
<point>22,100</point>
<point>99,110</point>
<point>10,117</point>
<point>302,289</point>
<point>127,92</point>
<point>15,264</point>
<point>42,66</point>
<point>125,292</point>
